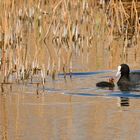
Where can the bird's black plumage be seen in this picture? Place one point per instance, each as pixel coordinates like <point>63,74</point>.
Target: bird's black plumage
<point>104,84</point>
<point>127,80</point>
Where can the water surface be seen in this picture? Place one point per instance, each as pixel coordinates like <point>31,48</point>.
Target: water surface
<point>70,109</point>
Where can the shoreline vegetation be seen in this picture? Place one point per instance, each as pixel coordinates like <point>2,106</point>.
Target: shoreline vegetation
<point>41,37</point>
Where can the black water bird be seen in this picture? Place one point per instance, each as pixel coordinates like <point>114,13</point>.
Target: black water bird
<point>105,84</point>
<point>127,80</point>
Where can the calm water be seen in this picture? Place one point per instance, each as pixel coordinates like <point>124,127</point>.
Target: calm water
<point>71,109</point>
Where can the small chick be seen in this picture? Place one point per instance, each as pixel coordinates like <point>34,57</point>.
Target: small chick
<point>104,84</point>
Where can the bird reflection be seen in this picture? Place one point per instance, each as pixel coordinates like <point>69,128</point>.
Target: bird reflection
<point>124,102</point>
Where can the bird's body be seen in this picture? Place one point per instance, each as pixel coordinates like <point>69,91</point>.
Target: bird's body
<point>127,80</point>
<point>104,84</point>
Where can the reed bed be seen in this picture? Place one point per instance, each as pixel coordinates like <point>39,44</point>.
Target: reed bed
<point>40,37</point>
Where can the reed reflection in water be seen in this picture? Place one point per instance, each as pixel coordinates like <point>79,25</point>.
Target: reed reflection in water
<point>57,117</point>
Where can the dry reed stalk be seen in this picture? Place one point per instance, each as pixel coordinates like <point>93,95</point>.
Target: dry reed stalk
<point>72,27</point>
<point>136,17</point>
<point>43,73</point>
<point>126,16</point>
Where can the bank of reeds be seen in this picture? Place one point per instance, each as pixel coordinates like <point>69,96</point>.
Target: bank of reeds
<point>40,37</point>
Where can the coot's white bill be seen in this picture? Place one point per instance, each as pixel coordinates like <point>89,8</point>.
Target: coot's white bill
<point>119,71</point>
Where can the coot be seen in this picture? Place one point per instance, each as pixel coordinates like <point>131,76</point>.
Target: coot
<point>127,80</point>
<point>104,84</point>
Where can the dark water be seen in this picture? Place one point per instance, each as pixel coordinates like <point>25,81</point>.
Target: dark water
<point>70,109</point>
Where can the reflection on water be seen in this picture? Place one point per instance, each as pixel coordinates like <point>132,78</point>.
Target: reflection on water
<point>104,56</point>
<point>3,118</point>
<point>71,109</point>
<point>124,101</point>
<point>57,116</point>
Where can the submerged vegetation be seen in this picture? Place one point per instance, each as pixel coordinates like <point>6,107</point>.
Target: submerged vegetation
<point>40,37</point>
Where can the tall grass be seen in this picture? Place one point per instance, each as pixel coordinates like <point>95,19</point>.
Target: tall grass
<point>41,36</point>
